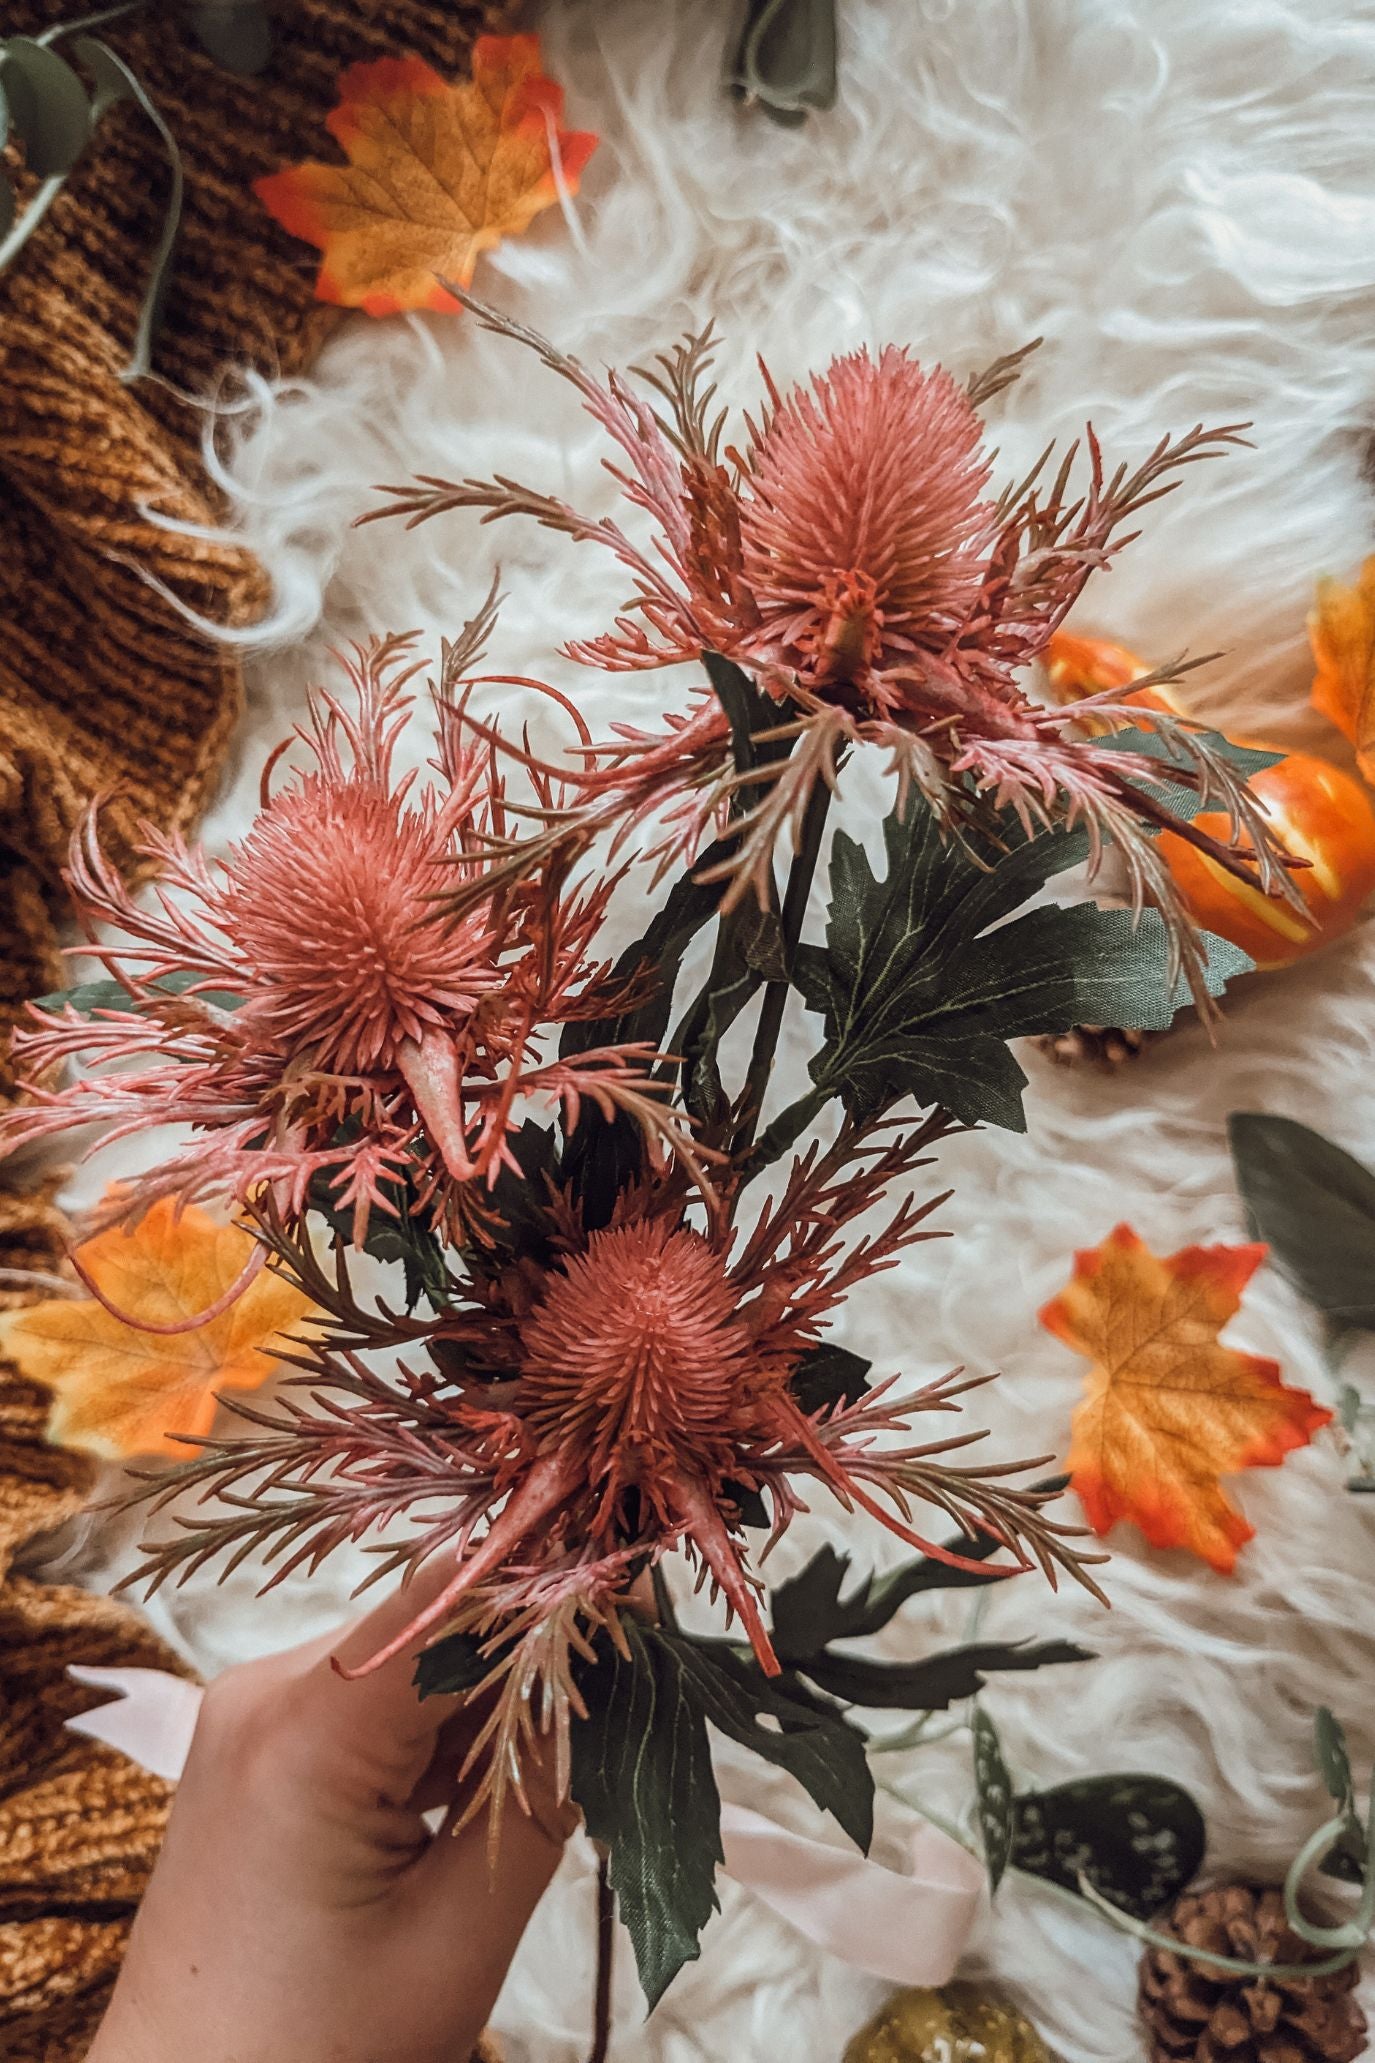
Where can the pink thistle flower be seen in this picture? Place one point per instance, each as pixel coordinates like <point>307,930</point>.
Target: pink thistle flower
<point>863,524</point>
<point>308,1005</point>
<point>587,1414</point>
<point>849,560</point>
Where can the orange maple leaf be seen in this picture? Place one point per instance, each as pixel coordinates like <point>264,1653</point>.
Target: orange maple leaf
<point>118,1390</point>
<point>436,174</point>
<point>1167,1408</point>
<point>1341,630</point>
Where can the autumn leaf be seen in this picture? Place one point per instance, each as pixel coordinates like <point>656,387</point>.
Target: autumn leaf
<point>1167,1408</point>
<point>119,1391</point>
<point>1341,629</point>
<point>436,174</point>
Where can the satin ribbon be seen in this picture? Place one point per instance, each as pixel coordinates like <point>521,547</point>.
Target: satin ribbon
<point>908,1923</point>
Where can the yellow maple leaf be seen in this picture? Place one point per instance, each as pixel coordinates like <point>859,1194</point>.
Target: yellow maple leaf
<point>437,173</point>
<point>118,1390</point>
<point>1167,1408</point>
<point>1341,630</point>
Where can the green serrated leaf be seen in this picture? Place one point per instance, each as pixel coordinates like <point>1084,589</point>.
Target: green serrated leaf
<point>89,996</point>
<point>935,1682</point>
<point>809,1612</point>
<point>809,1739</point>
<point>1137,1839</point>
<point>1314,1206</point>
<point>1179,800</point>
<point>641,1773</point>
<point>48,106</point>
<point>920,997</point>
<point>993,1794</point>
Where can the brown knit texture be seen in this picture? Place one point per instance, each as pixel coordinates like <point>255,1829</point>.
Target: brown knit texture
<point>105,690</point>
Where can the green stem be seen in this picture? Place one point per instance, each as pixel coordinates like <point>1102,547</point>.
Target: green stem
<point>794,915</point>
<point>85,22</point>
<point>1126,1924</point>
<point>33,214</point>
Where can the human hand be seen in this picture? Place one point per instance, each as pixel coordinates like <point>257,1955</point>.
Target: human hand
<point>300,1911</point>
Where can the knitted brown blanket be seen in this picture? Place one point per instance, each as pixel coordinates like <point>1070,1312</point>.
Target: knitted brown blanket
<point>105,688</point>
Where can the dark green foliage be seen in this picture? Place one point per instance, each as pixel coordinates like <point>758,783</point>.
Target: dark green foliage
<point>926,975</point>
<point>1314,1206</point>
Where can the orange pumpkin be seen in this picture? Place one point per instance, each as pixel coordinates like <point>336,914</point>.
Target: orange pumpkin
<point>1076,667</point>
<point>1318,812</point>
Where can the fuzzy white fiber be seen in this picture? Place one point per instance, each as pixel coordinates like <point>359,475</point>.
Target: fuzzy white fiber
<point>1179,197</point>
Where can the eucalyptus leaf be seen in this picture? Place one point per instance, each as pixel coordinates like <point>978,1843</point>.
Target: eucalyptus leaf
<point>993,1795</point>
<point>786,57</point>
<point>6,202</point>
<point>1137,1839</point>
<point>48,106</point>
<point>926,976</point>
<point>236,33</point>
<point>89,996</point>
<point>1314,1206</point>
<point>936,1681</point>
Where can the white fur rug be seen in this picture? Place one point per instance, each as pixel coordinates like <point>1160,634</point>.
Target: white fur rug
<point>1179,195</point>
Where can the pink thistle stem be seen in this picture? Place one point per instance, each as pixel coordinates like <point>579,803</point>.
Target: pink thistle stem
<point>249,1273</point>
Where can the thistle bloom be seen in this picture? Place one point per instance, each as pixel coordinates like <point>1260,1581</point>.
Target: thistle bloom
<point>634,1392</point>
<point>851,560</point>
<point>308,1006</point>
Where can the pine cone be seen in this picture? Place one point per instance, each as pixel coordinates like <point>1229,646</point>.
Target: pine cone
<point>1104,1046</point>
<point>1195,2014</point>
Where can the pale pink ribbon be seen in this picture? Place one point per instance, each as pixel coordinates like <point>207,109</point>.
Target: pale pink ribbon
<point>908,1924</point>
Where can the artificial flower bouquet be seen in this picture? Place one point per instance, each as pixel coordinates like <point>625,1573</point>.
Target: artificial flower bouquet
<point>605,1370</point>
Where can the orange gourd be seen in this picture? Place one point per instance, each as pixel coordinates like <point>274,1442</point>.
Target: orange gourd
<point>1318,812</point>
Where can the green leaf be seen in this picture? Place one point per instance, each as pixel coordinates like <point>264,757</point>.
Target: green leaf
<point>1333,1760</point>
<point>1182,801</point>
<point>749,943</point>
<point>6,198</point>
<point>453,1664</point>
<point>236,33</point>
<point>920,997</point>
<point>90,996</point>
<point>786,57</point>
<point>641,1772</point>
<point>809,1612</point>
<point>1137,1839</point>
<point>604,1154</point>
<point>935,1682</point>
<point>115,81</point>
<point>995,1802</point>
<point>810,1740</point>
<point>1314,1206</point>
<point>1346,1859</point>
<point>48,106</point>
<point>827,1375</point>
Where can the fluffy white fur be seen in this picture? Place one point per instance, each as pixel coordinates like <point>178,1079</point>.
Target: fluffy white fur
<point>1179,196</point>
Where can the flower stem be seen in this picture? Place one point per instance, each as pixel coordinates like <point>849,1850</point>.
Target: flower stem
<point>776,992</point>
<point>606,1949</point>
